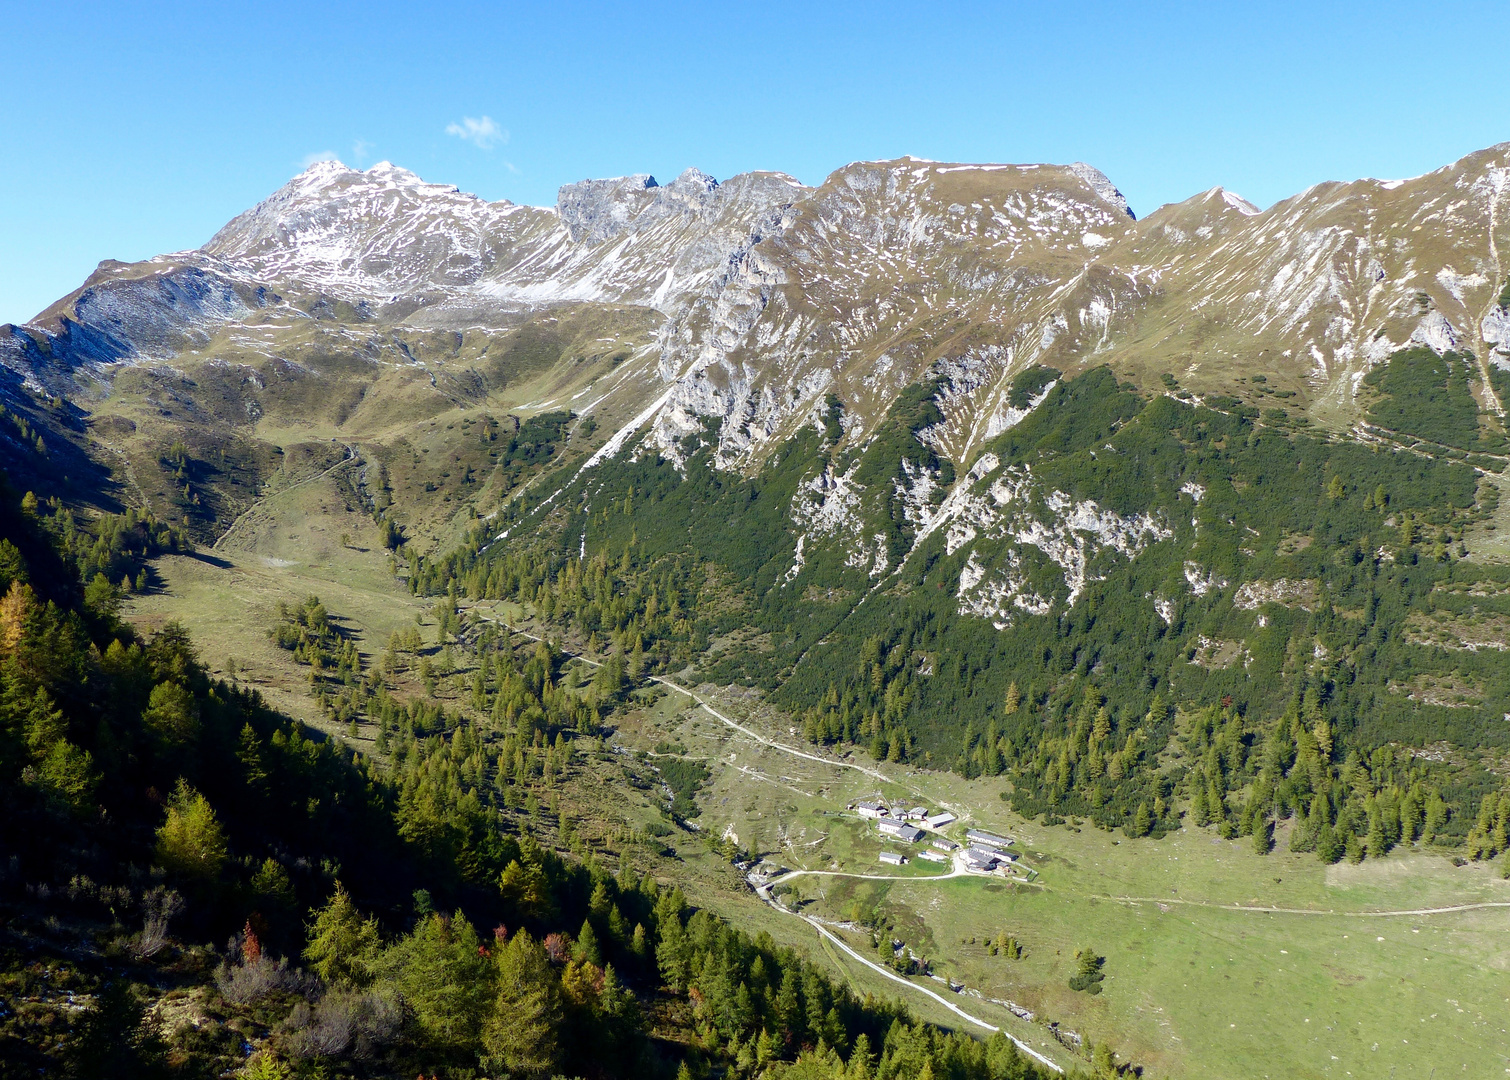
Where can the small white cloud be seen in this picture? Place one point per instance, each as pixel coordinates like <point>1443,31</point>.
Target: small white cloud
<point>361,150</point>
<point>483,134</point>
<point>319,155</point>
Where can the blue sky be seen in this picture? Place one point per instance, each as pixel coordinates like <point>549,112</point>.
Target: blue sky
<point>128,130</point>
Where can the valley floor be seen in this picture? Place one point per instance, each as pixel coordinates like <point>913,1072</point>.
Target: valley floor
<point>1219,962</point>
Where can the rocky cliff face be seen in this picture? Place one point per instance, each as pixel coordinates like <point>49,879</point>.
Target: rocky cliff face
<point>893,271</point>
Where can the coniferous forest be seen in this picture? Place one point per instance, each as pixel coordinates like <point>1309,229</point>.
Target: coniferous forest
<point>1263,660</point>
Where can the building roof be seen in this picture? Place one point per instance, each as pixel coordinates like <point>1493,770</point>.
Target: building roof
<point>975,836</point>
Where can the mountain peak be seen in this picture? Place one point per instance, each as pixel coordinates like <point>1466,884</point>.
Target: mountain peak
<point>330,178</point>
<point>319,176</point>
<point>1233,200</point>
<point>387,170</point>
<point>1102,186</point>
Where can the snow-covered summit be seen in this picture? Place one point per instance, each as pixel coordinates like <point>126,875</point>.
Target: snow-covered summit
<point>384,231</point>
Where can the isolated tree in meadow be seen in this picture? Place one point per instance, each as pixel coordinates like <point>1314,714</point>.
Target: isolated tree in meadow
<point>1088,974</point>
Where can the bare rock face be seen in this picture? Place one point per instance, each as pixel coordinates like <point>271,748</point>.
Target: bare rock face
<point>374,234</point>
<point>595,210</point>
<point>338,243</point>
<point>598,210</point>
<point>1097,181</point>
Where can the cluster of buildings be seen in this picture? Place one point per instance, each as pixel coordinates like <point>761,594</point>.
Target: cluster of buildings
<point>906,824</point>
<point>984,852</point>
<point>898,814</point>
<point>987,851</point>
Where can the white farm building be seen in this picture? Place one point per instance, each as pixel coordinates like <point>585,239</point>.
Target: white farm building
<point>899,829</point>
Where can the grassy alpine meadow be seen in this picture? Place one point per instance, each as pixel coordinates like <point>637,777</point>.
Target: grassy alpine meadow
<point>301,541</point>
<point>1353,971</point>
<point>1201,991</point>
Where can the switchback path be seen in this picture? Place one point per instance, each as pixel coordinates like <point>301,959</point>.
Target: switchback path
<point>787,876</point>
<point>958,870</point>
<point>747,733</point>
<point>828,935</point>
